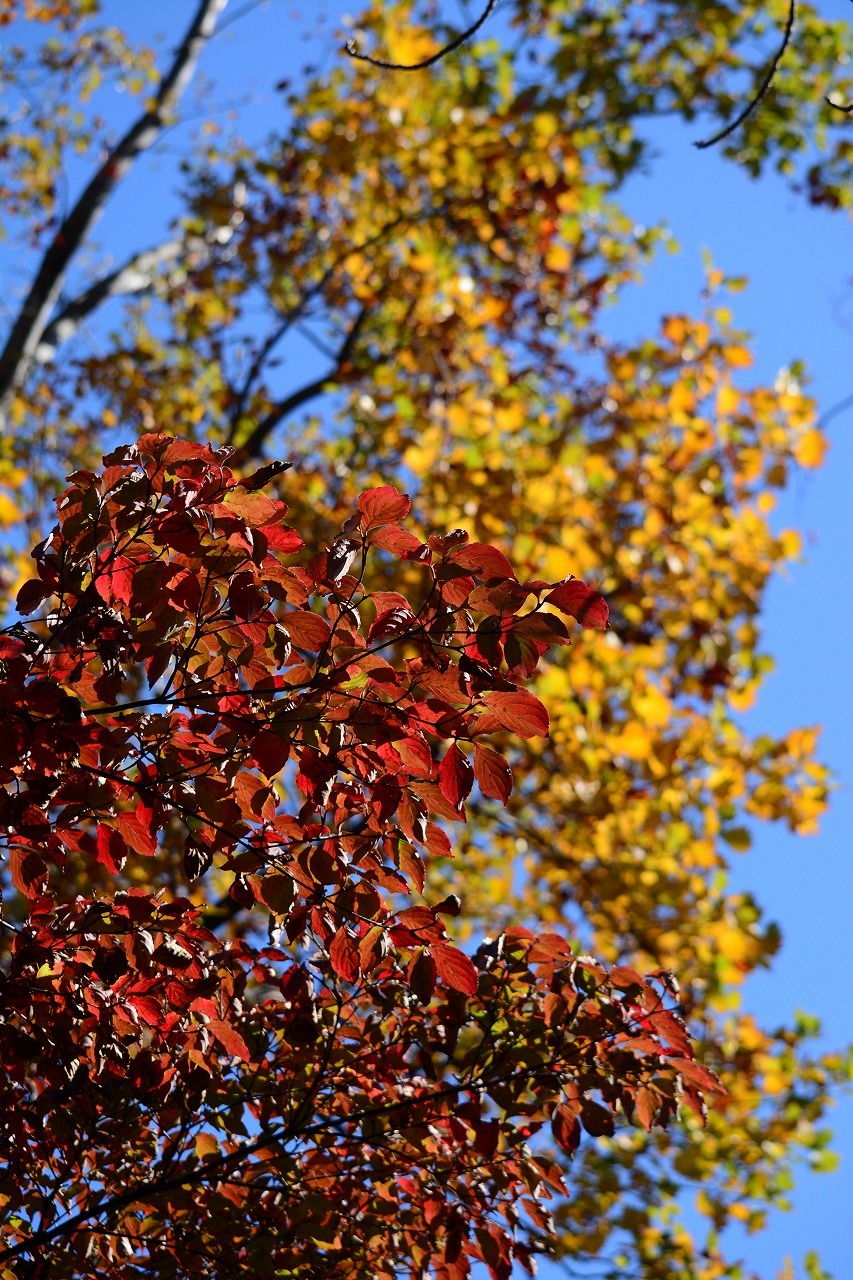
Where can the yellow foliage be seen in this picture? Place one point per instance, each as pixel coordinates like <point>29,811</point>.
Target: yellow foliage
<point>810,449</point>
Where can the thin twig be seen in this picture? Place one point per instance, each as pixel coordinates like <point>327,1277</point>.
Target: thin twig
<point>841,406</point>
<point>250,448</point>
<point>350,47</point>
<point>764,86</point>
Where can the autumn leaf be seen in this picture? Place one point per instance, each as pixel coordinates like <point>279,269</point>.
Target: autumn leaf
<point>455,776</point>
<point>519,712</point>
<point>454,968</point>
<point>383,505</point>
<point>230,1039</point>
<point>582,602</point>
<point>493,774</point>
<point>566,1129</point>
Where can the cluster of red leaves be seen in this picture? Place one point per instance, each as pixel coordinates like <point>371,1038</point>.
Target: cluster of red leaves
<point>358,1095</point>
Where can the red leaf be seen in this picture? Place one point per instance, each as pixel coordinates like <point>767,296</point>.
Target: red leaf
<point>624,977</point>
<point>439,805</point>
<point>566,1129</point>
<point>398,541</point>
<point>278,891</point>
<point>519,712</point>
<point>315,773</point>
<point>454,968</point>
<point>487,562</point>
<point>384,505</point>
<point>580,601</point>
<point>340,556</point>
<point>184,590</point>
<point>455,776</point>
<point>700,1075</point>
<point>245,598</point>
<point>230,1039</point>
<point>114,578</point>
<point>31,595</point>
<point>112,850</point>
<point>280,537</point>
<point>437,842</point>
<point>392,622</point>
<point>411,866</point>
<point>597,1120</point>
<point>255,508</point>
<point>646,1105</point>
<point>307,630</point>
<point>28,871</point>
<point>493,774</point>
<point>422,975</point>
<point>343,954</point>
<point>372,948</point>
<point>147,1009</point>
<point>136,832</point>
<point>264,474</point>
<point>269,751</point>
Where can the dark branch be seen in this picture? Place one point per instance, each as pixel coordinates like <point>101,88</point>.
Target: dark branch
<point>350,47</point>
<point>135,276</point>
<point>33,318</point>
<point>256,368</point>
<point>841,406</point>
<point>251,447</point>
<point>763,87</point>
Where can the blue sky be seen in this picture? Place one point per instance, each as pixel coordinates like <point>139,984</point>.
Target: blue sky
<point>799,304</point>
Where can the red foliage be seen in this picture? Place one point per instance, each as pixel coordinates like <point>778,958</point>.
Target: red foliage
<point>352,1095</point>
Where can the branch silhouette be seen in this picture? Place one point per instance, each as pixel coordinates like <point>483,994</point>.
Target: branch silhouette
<point>352,51</point>
<point>763,88</point>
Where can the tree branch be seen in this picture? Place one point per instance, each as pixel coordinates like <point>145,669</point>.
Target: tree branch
<point>350,47</point>
<point>256,367</point>
<point>135,276</point>
<point>32,320</point>
<point>252,446</point>
<point>763,87</point>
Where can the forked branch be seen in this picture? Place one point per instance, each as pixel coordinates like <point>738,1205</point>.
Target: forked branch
<point>252,445</point>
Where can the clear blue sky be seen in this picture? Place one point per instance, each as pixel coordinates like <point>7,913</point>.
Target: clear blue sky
<point>799,305</point>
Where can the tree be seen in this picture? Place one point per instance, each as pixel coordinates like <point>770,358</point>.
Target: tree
<point>181,1105</point>
<point>448,237</point>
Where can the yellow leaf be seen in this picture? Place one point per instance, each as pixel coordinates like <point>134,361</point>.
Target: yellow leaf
<point>558,258</point>
<point>728,400</point>
<point>791,543</point>
<point>9,513</point>
<point>738,357</point>
<point>206,1145</point>
<point>810,449</point>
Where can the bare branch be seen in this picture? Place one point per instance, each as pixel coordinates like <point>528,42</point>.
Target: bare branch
<point>350,47</point>
<point>256,368</point>
<point>840,406</point>
<point>135,276</point>
<point>252,446</point>
<point>763,87</point>
<point>33,318</point>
